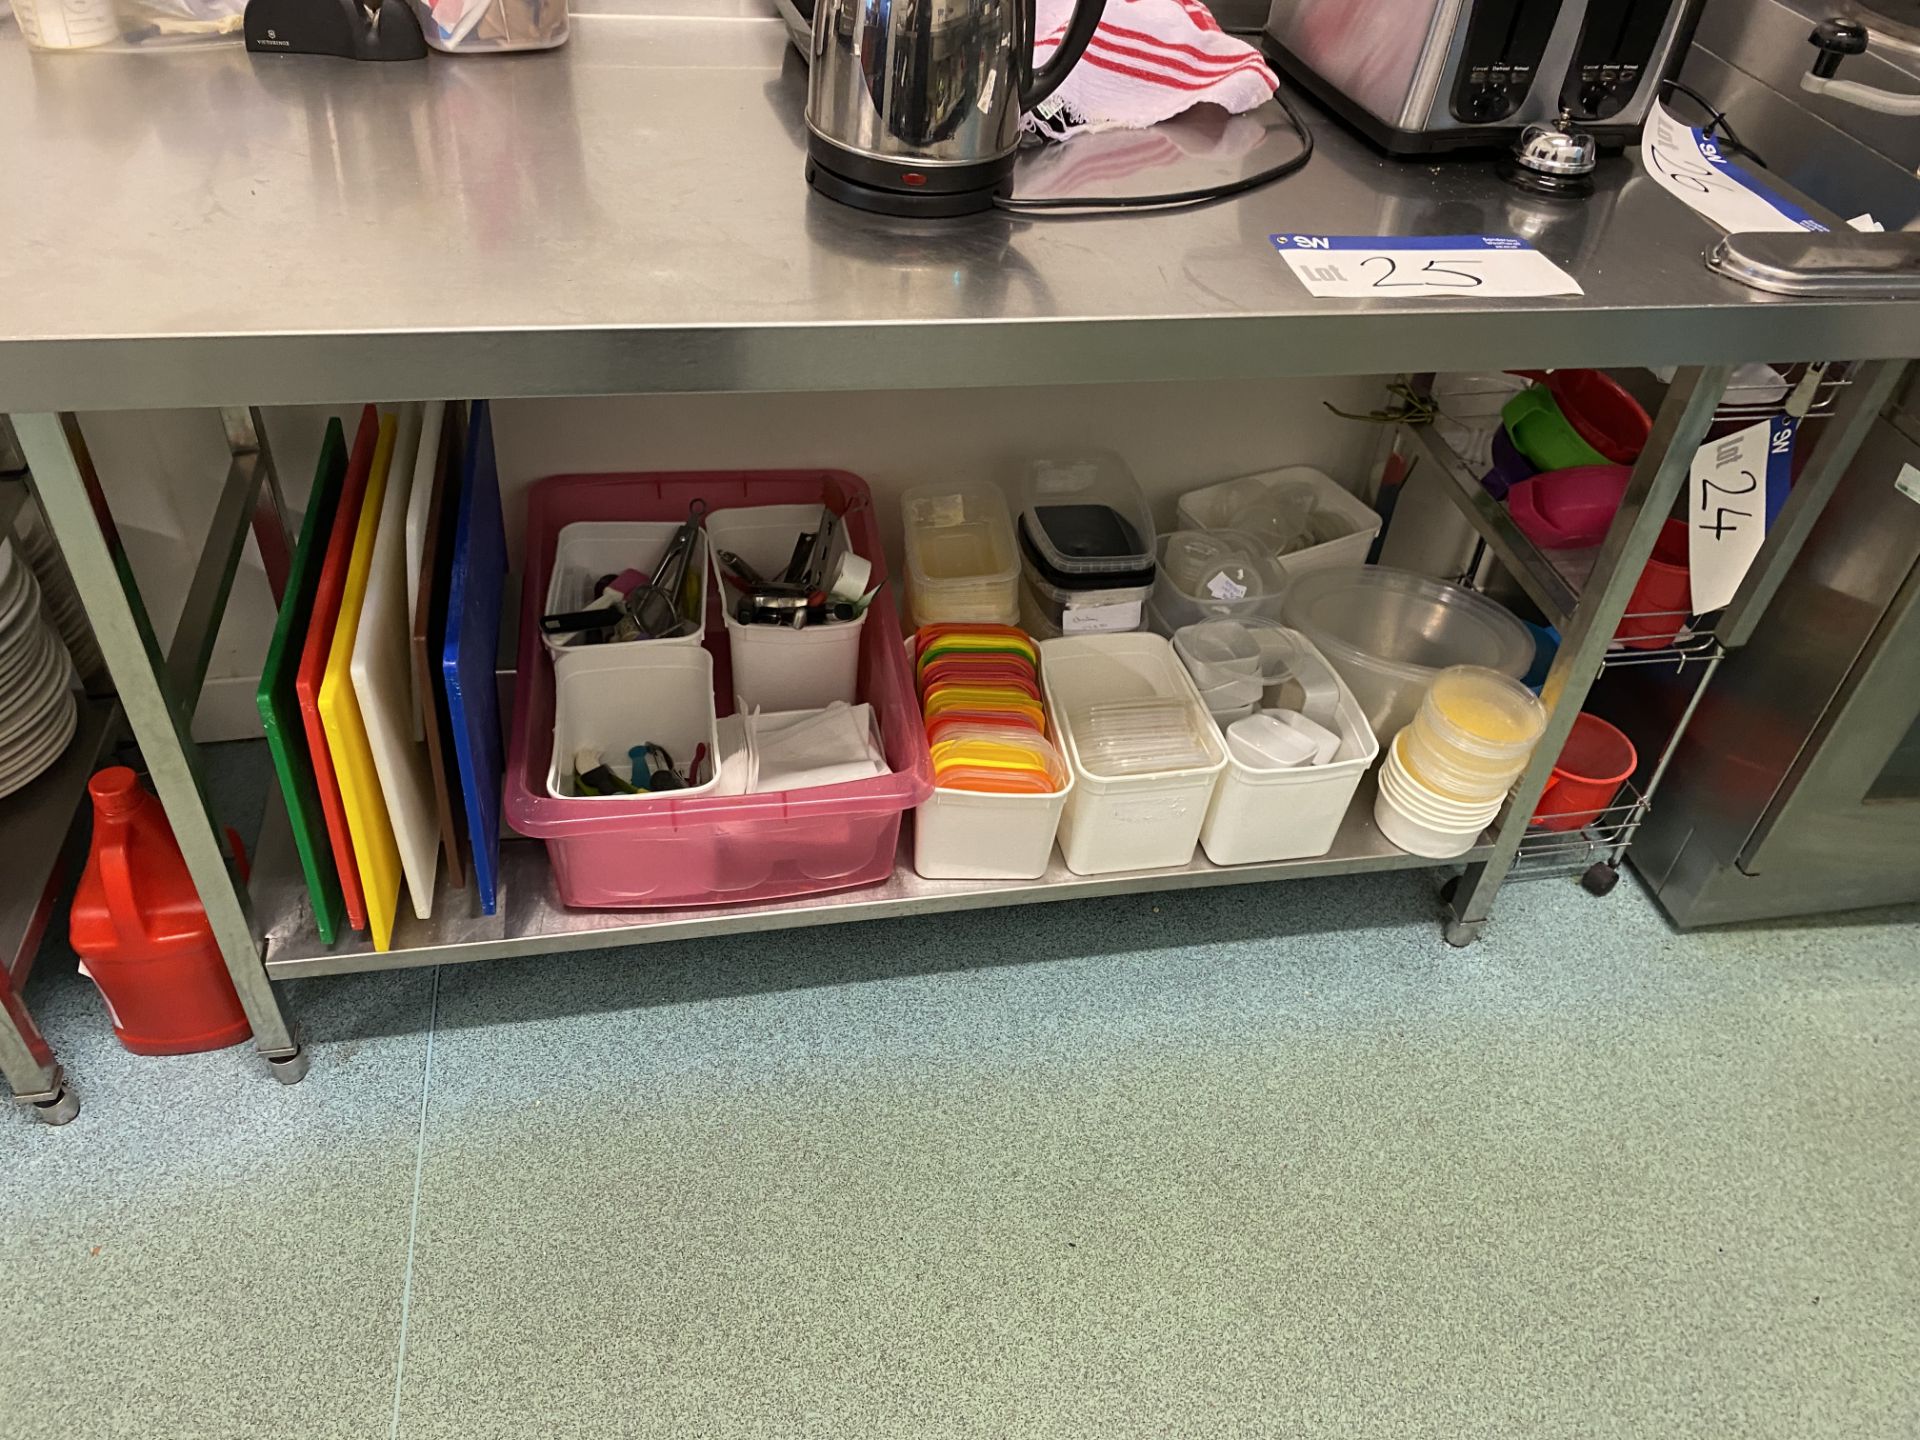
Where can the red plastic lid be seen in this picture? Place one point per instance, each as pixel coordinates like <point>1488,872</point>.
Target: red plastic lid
<point>115,791</point>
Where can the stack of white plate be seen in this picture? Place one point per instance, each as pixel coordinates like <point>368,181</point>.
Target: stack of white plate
<point>38,710</point>
<point>58,597</point>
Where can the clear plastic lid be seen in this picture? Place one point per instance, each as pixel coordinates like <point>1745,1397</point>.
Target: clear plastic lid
<point>1086,516</point>
<point>1404,624</point>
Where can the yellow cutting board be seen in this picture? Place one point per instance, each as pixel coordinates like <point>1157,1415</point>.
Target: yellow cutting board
<point>375,851</point>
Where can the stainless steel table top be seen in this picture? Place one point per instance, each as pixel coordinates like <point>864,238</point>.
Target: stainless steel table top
<point>629,214</point>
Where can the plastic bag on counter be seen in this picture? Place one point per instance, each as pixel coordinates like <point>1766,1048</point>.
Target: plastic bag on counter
<point>473,27</point>
<point>86,24</point>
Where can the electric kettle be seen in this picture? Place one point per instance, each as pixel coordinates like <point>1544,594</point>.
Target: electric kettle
<point>913,106</point>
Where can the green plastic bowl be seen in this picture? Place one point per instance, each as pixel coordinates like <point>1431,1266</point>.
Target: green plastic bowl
<point>1544,435</point>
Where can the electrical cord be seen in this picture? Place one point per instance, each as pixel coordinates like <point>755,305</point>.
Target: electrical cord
<point>1718,121</point>
<point>1066,207</point>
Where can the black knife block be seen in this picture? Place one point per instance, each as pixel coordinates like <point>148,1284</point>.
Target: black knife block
<point>347,28</point>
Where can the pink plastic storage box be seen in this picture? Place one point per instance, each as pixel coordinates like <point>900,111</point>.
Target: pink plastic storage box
<point>719,849</point>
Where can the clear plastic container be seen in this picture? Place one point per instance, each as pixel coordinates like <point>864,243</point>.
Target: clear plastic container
<point>1214,574</point>
<point>1238,666</point>
<point>1389,632</point>
<point>712,849</point>
<point>1472,734</point>
<point>478,27</point>
<point>1086,544</point>
<point>1087,518</point>
<point>1339,526</point>
<point>1048,609</point>
<point>962,562</point>
<point>67,24</point>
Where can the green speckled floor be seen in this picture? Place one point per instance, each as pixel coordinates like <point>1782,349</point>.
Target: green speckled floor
<point>1259,1162</point>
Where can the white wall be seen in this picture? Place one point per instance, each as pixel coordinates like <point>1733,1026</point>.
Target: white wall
<point>162,469</point>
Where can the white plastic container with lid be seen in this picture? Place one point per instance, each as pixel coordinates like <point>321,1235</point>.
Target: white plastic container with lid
<point>611,698</point>
<point>1141,821</point>
<point>1339,527</point>
<point>963,564</point>
<point>1213,574</point>
<point>586,550</point>
<point>1389,632</point>
<point>775,667</point>
<point>1260,815</point>
<point>1086,545</point>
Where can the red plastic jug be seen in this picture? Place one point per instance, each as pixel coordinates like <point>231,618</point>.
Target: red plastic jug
<point>141,933</point>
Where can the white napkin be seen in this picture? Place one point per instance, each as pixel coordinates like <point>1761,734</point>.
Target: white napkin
<point>1149,61</point>
<point>798,749</point>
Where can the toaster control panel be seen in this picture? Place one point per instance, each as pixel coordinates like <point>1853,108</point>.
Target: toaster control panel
<point>1617,45</point>
<point>1505,42</point>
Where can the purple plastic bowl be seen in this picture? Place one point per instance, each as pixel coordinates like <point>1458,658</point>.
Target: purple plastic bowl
<point>1510,467</point>
<point>1569,509</point>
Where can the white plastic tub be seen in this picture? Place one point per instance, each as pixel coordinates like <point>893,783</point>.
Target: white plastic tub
<point>776,668</point>
<point>968,835</point>
<point>586,550</point>
<point>1139,822</point>
<point>1349,523</point>
<point>1258,815</point>
<point>611,698</point>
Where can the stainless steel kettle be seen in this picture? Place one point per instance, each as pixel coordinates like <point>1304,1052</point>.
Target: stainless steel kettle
<point>913,106</point>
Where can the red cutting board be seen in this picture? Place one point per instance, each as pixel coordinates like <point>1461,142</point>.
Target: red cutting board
<point>313,661</point>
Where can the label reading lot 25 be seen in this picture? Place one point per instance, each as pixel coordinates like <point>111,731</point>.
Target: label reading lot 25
<point>1359,267</point>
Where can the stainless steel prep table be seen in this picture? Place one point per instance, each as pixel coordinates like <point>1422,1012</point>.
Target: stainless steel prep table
<point>627,214</point>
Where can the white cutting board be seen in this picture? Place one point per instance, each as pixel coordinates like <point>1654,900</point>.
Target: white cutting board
<point>423,468</point>
<point>383,678</point>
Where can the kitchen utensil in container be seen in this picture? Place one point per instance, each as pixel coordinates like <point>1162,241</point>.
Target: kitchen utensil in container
<point>779,666</point>
<point>715,849</point>
<point>1389,632</point>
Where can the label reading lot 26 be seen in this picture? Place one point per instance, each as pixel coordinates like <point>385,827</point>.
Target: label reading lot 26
<point>1360,267</point>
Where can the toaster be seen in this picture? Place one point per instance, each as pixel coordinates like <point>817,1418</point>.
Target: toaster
<point>1417,76</point>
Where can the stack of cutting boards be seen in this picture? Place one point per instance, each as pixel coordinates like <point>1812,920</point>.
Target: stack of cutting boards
<point>379,696</point>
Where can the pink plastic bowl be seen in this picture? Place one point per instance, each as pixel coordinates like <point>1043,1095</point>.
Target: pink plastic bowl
<point>1568,509</point>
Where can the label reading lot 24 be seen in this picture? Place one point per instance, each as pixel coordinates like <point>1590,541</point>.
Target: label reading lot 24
<point>1361,267</point>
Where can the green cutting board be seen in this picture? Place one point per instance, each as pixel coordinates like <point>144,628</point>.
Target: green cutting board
<point>280,707</point>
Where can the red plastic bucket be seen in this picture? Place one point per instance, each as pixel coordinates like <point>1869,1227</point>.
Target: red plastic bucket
<point>1593,765</point>
<point>1661,603</point>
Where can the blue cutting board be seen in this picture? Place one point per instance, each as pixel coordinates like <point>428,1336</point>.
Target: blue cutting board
<point>474,594</point>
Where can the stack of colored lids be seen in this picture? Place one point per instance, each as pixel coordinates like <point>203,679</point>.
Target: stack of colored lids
<point>986,721</point>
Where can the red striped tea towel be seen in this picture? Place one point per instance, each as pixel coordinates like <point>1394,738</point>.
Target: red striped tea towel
<point>1149,60</point>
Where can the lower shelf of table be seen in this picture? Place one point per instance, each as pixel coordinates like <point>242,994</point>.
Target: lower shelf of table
<point>531,920</point>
